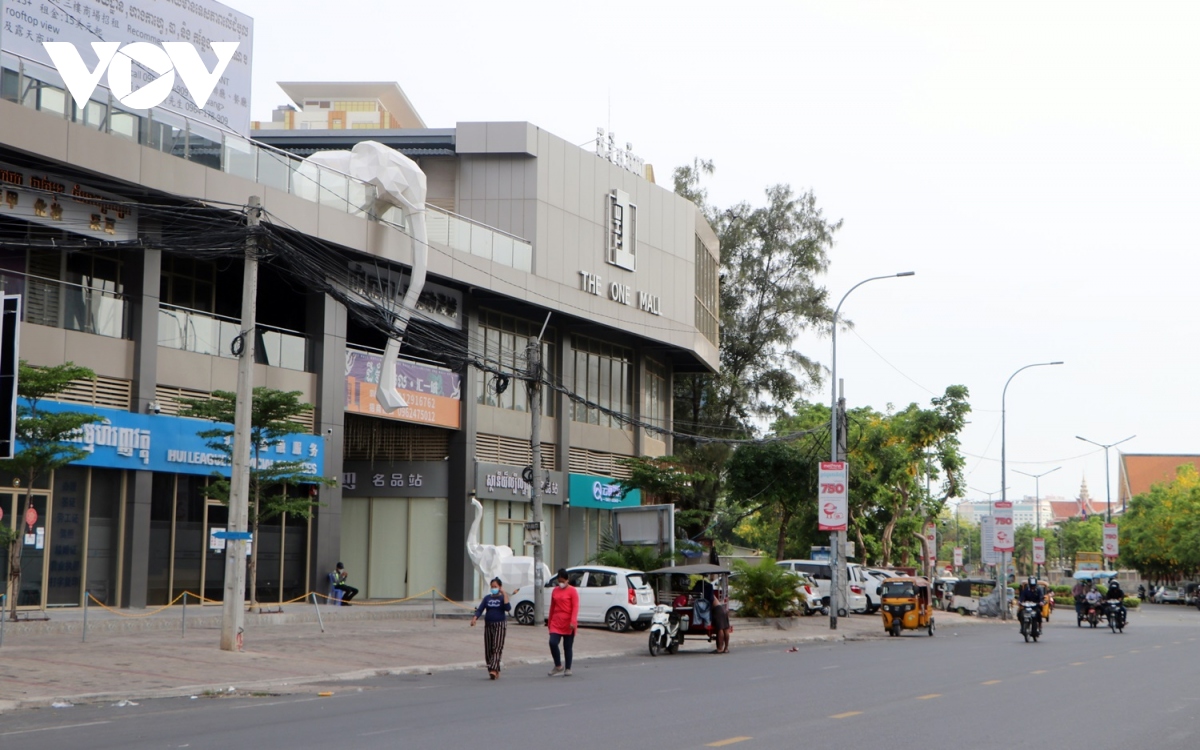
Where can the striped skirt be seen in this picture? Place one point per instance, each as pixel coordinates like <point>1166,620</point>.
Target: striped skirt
<point>493,643</point>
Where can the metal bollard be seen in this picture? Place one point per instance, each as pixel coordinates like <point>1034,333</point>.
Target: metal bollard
<point>86,595</point>
<point>3,617</point>
<point>433,603</point>
<point>184,634</point>
<point>319,620</point>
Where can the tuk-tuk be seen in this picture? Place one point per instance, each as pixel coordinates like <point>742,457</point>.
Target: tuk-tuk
<point>680,586</point>
<point>943,591</point>
<point>906,604</point>
<point>967,594</point>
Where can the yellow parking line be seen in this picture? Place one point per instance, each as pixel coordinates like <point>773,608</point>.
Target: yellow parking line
<point>1078,663</point>
<point>730,741</point>
<point>927,697</point>
<point>846,715</point>
<point>992,682</point>
<point>1039,671</point>
<point>1109,656</point>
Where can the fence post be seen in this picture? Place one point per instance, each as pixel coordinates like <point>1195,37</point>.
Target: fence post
<point>3,617</point>
<point>86,595</point>
<point>433,602</point>
<point>184,633</point>
<point>319,620</point>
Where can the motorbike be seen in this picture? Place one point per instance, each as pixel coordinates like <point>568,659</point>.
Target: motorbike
<point>1031,620</point>
<point>1115,615</point>
<point>666,630</point>
<point>1091,613</point>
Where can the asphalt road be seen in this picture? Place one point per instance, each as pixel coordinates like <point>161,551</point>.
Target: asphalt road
<point>980,686</point>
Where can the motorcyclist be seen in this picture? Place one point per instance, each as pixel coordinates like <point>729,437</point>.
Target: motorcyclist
<point>1116,595</point>
<point>1032,592</point>
<point>1142,591</point>
<point>1079,591</point>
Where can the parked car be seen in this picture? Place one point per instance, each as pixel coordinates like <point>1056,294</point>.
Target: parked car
<point>617,598</point>
<point>1191,594</point>
<point>871,580</point>
<point>1169,595</point>
<point>821,574</point>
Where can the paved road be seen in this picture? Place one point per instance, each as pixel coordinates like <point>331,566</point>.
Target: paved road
<point>972,686</point>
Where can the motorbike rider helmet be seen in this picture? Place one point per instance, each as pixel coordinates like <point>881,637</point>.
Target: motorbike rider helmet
<point>1032,581</point>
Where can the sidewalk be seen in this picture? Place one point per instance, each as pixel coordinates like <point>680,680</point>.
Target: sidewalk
<point>144,657</point>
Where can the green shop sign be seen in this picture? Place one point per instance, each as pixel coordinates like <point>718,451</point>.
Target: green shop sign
<point>587,491</point>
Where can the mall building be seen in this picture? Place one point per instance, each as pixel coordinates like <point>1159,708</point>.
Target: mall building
<point>527,232</point>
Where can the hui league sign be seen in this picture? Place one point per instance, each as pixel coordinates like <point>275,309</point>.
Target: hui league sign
<point>143,442</point>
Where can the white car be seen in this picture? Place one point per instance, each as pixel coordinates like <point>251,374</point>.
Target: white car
<point>821,573</point>
<point>871,580</point>
<point>617,598</point>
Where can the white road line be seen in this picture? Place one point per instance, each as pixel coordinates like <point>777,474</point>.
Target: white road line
<point>48,729</point>
<point>545,708</point>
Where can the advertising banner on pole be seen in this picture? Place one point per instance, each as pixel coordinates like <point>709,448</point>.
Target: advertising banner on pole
<point>1111,543</point>
<point>1039,551</point>
<point>1002,513</point>
<point>832,496</point>
<point>987,530</point>
<point>931,541</point>
<point>958,557</point>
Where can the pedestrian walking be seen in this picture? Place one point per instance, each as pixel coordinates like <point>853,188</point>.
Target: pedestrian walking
<point>563,622</point>
<point>720,622</point>
<point>494,609</point>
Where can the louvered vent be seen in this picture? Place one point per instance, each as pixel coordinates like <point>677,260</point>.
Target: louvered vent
<point>42,295</point>
<point>168,398</point>
<point>584,461</point>
<point>370,439</point>
<point>103,391</point>
<point>494,449</point>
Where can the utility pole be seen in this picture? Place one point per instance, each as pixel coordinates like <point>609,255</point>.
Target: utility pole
<point>233,607</point>
<point>534,355</point>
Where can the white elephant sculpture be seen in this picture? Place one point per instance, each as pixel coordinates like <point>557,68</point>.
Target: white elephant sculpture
<point>498,561</point>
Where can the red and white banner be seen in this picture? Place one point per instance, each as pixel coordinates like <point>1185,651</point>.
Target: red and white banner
<point>958,557</point>
<point>931,541</point>
<point>1039,551</point>
<point>1002,515</point>
<point>832,496</point>
<point>1112,546</point>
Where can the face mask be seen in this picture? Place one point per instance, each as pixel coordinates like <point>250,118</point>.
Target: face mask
<point>495,591</point>
<point>562,584</point>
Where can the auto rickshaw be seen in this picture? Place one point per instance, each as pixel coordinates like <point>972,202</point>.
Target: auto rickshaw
<point>680,586</point>
<point>906,604</point>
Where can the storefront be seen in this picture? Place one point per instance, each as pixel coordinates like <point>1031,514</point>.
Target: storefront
<point>593,499</point>
<point>76,539</point>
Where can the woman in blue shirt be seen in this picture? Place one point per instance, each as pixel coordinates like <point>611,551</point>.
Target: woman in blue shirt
<point>494,609</point>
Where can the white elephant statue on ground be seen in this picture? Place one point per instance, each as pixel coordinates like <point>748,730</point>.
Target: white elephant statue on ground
<point>498,561</point>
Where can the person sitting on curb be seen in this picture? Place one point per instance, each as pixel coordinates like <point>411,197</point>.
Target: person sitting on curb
<point>339,582</point>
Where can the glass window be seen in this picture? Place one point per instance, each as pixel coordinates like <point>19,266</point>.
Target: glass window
<point>604,377</point>
<point>505,342</point>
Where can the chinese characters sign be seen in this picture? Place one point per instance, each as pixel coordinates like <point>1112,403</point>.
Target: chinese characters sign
<point>399,479</point>
<point>433,394</point>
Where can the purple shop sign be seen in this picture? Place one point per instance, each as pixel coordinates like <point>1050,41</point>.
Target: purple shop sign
<point>433,393</point>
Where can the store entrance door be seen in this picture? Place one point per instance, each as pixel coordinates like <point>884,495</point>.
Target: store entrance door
<point>32,545</point>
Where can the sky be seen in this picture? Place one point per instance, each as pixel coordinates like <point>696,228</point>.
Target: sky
<point>1035,163</point>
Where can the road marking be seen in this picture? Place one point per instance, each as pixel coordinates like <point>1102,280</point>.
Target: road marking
<point>835,666</point>
<point>1175,643</point>
<point>668,690</point>
<point>544,708</point>
<point>1109,656</point>
<point>730,741</point>
<point>846,715</point>
<point>1158,646</point>
<point>1039,671</point>
<point>1135,651</point>
<point>927,697</point>
<point>382,731</point>
<point>48,729</point>
<point>1078,663</point>
<point>992,682</point>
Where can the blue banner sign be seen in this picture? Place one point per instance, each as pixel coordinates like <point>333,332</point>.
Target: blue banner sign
<point>158,442</point>
<point>587,491</point>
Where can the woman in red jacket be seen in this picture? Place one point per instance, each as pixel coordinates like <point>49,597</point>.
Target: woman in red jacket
<point>563,622</point>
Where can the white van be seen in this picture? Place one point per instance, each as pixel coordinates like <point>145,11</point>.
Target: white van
<point>821,573</point>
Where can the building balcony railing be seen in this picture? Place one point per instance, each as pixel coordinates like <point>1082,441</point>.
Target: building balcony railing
<point>70,306</point>
<point>205,333</point>
<point>34,86</point>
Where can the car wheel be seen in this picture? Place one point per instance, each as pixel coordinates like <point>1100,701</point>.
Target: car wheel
<point>962,611</point>
<point>617,620</point>
<point>524,613</point>
<point>841,612</point>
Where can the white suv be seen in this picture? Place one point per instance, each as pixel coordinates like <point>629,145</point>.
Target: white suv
<point>617,598</point>
<point>871,581</point>
<point>821,573</point>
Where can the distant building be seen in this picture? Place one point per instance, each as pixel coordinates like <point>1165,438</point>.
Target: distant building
<point>1138,472</point>
<point>1081,507</point>
<point>1025,510</point>
<point>343,106</point>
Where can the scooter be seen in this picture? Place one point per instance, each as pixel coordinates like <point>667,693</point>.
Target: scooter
<point>666,630</point>
<point>1031,621</point>
<point>1116,618</point>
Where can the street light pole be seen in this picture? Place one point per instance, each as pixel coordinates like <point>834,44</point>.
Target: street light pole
<point>1037,499</point>
<point>1002,578</point>
<point>837,562</point>
<point>1107,480</point>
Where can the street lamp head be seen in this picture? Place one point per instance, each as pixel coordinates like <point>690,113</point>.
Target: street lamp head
<point>907,273</point>
<point>1056,363</point>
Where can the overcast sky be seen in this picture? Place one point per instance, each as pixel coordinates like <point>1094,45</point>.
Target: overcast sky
<point>1035,163</point>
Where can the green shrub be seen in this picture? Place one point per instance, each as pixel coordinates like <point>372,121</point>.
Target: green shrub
<point>1061,590</point>
<point>765,589</point>
<point>1132,602</point>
